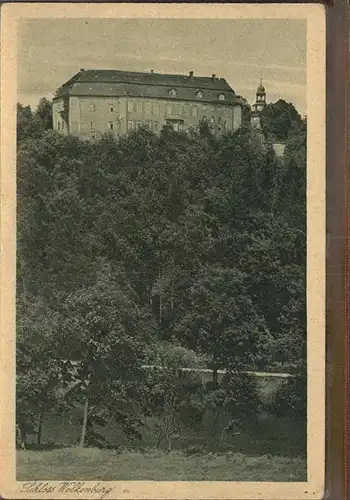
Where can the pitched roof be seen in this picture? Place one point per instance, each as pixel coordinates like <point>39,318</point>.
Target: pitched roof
<point>152,85</point>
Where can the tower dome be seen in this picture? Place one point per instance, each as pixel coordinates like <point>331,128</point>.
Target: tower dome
<point>261,88</point>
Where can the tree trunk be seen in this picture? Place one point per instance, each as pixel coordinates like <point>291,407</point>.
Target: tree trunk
<point>222,436</point>
<point>21,436</point>
<point>215,376</point>
<point>172,296</point>
<point>85,419</point>
<point>40,426</point>
<point>160,439</point>
<point>160,307</point>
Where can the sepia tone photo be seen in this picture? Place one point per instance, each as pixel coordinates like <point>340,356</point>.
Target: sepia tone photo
<point>163,272</point>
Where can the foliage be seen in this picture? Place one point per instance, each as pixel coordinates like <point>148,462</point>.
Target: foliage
<point>172,402</point>
<point>106,338</point>
<point>177,250</point>
<point>291,398</point>
<point>280,120</point>
<point>39,366</point>
<point>234,404</point>
<point>32,125</point>
<point>44,112</point>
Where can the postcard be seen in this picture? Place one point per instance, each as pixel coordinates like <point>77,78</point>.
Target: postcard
<point>163,251</point>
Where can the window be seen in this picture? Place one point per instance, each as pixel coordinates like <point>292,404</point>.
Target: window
<point>111,108</point>
<point>205,119</point>
<point>58,125</point>
<point>168,109</point>
<point>93,135</point>
<point>204,107</point>
<point>138,124</point>
<point>194,111</point>
<point>186,109</point>
<point>148,108</point>
<point>221,97</point>
<point>110,125</point>
<point>179,109</point>
<point>92,107</point>
<point>156,108</point>
<point>130,106</point>
<point>212,119</point>
<point>199,94</point>
<point>148,124</point>
<point>213,108</point>
<point>130,124</point>
<point>92,125</point>
<point>172,93</point>
<point>139,107</point>
<point>156,126</point>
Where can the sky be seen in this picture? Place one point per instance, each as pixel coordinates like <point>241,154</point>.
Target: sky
<point>50,51</point>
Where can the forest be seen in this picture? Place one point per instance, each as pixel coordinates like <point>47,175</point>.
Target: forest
<point>155,275</point>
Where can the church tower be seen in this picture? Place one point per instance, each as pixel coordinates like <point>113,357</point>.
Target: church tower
<point>258,106</point>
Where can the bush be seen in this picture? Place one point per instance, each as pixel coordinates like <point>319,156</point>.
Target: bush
<point>290,399</point>
<point>172,402</point>
<point>233,404</point>
<point>242,396</point>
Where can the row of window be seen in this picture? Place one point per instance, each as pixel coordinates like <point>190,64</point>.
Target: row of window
<point>212,120</point>
<point>149,107</point>
<point>111,107</point>
<point>171,108</point>
<point>60,125</point>
<point>111,125</point>
<point>153,108</point>
<point>135,124</point>
<point>199,94</point>
<point>132,124</point>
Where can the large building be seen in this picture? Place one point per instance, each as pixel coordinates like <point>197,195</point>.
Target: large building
<point>95,102</point>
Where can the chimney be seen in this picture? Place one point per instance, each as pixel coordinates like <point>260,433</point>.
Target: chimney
<point>191,75</point>
<point>152,71</point>
<point>82,69</point>
<point>213,76</point>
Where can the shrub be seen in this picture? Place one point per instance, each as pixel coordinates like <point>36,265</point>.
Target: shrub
<point>232,404</point>
<point>242,396</point>
<point>290,398</point>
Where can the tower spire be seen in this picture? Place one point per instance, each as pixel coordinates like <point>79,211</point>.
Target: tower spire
<point>259,105</point>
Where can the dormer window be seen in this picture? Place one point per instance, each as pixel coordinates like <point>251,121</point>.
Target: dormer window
<point>221,97</point>
<point>172,93</point>
<point>199,94</point>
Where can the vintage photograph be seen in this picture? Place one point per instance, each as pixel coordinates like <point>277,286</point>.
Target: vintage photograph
<point>161,329</point>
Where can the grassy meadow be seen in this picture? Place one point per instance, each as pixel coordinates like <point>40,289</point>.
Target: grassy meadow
<point>109,465</point>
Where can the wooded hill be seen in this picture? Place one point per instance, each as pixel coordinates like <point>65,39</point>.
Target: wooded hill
<point>177,250</point>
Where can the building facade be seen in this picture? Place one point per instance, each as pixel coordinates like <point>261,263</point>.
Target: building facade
<point>96,102</point>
